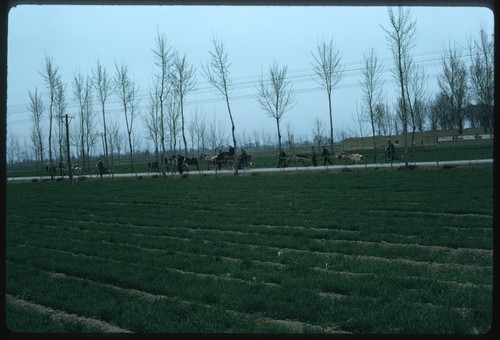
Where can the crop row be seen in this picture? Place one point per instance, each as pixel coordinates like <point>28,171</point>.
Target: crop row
<point>221,285</point>
<point>475,247</point>
<point>313,253</point>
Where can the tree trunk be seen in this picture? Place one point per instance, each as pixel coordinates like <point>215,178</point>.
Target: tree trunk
<point>50,145</point>
<point>331,121</point>
<point>234,136</point>
<point>279,133</point>
<point>105,134</point>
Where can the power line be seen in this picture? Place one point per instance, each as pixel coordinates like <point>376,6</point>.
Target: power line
<point>243,83</point>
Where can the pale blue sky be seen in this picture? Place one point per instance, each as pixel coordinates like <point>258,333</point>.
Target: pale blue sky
<point>77,36</point>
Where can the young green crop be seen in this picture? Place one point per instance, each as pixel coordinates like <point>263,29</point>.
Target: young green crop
<point>361,252</point>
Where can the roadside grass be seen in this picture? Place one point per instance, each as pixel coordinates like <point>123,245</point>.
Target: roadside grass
<point>359,252</point>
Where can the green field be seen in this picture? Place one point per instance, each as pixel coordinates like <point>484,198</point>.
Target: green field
<point>376,251</point>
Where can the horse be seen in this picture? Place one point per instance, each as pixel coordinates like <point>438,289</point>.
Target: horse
<point>153,166</point>
<point>303,160</point>
<point>192,161</point>
<point>171,163</point>
<point>51,169</point>
<point>244,160</point>
<point>76,170</point>
<point>223,157</point>
<point>208,159</point>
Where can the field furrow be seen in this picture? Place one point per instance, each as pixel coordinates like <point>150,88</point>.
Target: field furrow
<point>360,252</point>
<point>61,315</point>
<point>319,242</point>
<point>363,263</point>
<point>261,321</point>
<point>274,246</point>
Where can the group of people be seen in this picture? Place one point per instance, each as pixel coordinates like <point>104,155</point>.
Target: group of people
<point>325,154</point>
<point>281,158</point>
<point>223,156</point>
<point>282,161</point>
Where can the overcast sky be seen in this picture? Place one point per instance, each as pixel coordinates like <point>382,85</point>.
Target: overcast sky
<point>76,37</point>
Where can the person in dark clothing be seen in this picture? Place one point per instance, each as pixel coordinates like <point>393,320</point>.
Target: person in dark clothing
<point>61,169</point>
<point>100,167</point>
<point>282,159</point>
<point>391,151</point>
<point>219,159</point>
<point>231,151</point>
<point>326,155</point>
<point>180,164</point>
<point>242,160</point>
<point>314,156</point>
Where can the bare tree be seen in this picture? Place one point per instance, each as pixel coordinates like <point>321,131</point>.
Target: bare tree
<point>79,95</point>
<point>415,92</point>
<point>318,132</point>
<point>13,148</point>
<point>36,146</point>
<point>343,135</point>
<point>275,95</point>
<point>217,74</point>
<point>198,131</point>
<point>127,92</point>
<point>327,68</point>
<point>453,83</point>
<point>162,54</point>
<point>51,77</point>
<point>192,136</point>
<point>256,138</point>
<point>36,108</point>
<point>401,36</point>
<point>74,140</point>
<point>385,119</point>
<point>371,85</point>
<point>89,121</point>
<point>152,122</point>
<point>60,106</point>
<point>183,81</point>
<point>104,87</point>
<point>216,135</point>
<point>381,120</point>
<point>442,107</point>
<point>116,140</point>
<point>172,120</point>
<point>267,139</point>
<point>359,120</point>
<point>290,138</point>
<point>82,92</point>
<point>243,139</point>
<point>136,142</point>
<point>437,109</point>
<point>482,83</point>
<point>202,133</point>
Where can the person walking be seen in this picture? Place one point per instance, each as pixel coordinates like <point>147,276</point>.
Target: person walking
<point>282,159</point>
<point>314,157</point>
<point>180,163</point>
<point>326,156</point>
<point>100,167</point>
<point>391,151</point>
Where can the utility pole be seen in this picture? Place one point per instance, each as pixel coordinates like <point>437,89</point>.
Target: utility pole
<point>67,147</point>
